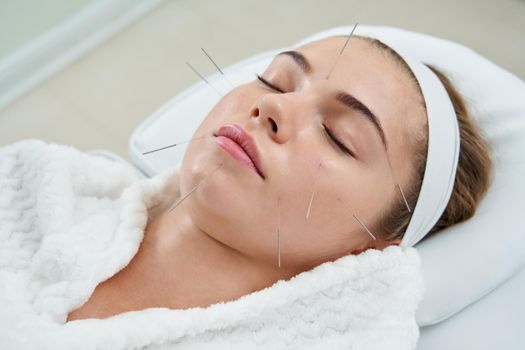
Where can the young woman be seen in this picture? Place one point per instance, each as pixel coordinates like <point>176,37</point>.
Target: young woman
<point>334,156</point>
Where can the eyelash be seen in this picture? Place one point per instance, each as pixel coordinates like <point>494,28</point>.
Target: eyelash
<point>270,85</point>
<point>328,132</point>
<point>337,142</point>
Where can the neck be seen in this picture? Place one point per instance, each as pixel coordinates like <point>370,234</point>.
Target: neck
<point>181,266</point>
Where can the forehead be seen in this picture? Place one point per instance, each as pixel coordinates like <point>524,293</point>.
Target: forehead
<point>375,77</point>
<point>366,69</point>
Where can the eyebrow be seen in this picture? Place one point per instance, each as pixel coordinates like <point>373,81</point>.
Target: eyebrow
<point>341,96</point>
<point>299,59</point>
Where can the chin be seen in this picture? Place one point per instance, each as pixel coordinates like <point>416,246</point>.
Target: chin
<point>211,194</point>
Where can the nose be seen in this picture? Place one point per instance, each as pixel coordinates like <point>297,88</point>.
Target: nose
<point>281,114</point>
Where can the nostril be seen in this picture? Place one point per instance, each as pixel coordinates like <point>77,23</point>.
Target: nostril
<point>255,112</point>
<point>274,125</point>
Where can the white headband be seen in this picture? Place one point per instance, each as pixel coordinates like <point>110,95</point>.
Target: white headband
<point>442,155</point>
<point>443,140</point>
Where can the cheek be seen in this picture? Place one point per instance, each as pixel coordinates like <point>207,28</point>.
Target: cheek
<point>323,214</point>
<point>225,111</point>
<point>246,218</point>
<point>230,206</point>
<point>236,215</point>
<point>330,230</point>
<point>233,103</point>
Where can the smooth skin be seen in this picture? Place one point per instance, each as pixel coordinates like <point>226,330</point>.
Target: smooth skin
<point>221,243</point>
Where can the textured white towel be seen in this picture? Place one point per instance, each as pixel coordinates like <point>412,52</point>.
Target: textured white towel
<point>69,221</point>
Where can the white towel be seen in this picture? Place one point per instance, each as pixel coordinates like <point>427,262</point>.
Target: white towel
<point>69,221</point>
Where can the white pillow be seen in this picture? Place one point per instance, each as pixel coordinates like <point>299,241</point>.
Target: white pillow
<point>461,264</point>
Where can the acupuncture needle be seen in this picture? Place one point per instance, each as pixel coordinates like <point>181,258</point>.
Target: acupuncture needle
<point>194,189</point>
<point>364,226</point>
<point>203,78</point>
<point>216,66</point>
<point>313,192</point>
<point>279,232</point>
<point>397,183</point>
<point>341,52</point>
<point>175,144</point>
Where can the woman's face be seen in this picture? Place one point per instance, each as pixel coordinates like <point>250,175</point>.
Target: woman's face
<point>289,125</point>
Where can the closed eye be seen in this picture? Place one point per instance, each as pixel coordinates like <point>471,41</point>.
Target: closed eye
<point>338,143</point>
<point>328,132</point>
<point>270,85</point>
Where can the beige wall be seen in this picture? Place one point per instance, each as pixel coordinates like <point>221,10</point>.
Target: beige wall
<point>98,101</point>
<point>23,20</point>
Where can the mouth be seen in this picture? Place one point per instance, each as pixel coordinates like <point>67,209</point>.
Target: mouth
<point>240,145</point>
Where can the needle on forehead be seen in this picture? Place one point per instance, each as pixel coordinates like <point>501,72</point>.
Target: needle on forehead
<point>341,52</point>
<point>175,144</point>
<point>193,190</point>
<point>216,66</point>
<point>203,78</point>
<point>364,226</point>
<point>313,193</point>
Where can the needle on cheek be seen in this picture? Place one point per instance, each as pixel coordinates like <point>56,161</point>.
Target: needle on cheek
<point>313,192</point>
<point>398,185</point>
<point>404,198</point>
<point>279,232</point>
<point>194,189</point>
<point>364,226</point>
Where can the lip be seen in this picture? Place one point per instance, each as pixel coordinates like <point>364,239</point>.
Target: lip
<point>243,140</point>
